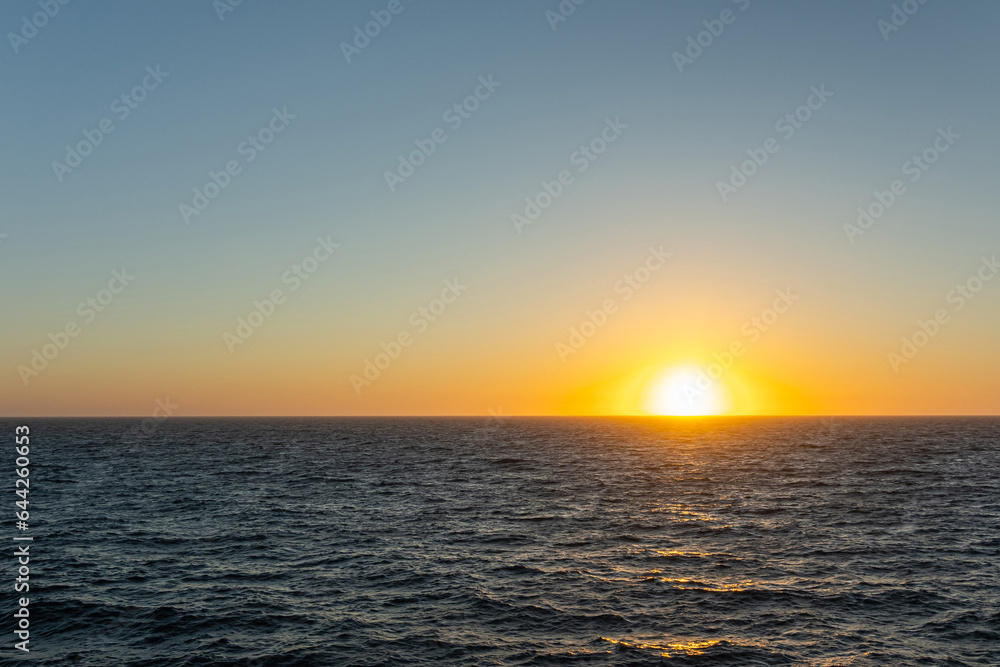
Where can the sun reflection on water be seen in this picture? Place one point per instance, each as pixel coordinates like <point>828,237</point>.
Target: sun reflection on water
<point>687,648</point>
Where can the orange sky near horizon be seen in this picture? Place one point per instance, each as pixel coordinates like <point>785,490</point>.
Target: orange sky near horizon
<point>615,372</point>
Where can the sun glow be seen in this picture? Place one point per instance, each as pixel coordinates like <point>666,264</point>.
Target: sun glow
<point>686,392</point>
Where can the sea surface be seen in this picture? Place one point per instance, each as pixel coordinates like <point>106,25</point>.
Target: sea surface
<point>511,541</point>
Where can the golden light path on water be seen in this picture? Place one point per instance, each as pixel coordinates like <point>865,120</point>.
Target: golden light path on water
<point>687,648</point>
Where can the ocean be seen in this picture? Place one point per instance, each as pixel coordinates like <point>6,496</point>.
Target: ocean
<point>511,541</point>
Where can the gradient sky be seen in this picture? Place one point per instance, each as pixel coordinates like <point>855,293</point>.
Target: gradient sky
<point>495,347</point>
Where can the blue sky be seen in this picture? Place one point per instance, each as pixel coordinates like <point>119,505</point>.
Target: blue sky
<point>324,174</point>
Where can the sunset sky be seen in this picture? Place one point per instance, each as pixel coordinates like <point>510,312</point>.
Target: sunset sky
<point>595,118</point>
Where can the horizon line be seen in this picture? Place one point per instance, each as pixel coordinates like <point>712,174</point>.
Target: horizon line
<point>499,416</point>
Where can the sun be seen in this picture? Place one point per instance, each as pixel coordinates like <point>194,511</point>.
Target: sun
<point>687,392</point>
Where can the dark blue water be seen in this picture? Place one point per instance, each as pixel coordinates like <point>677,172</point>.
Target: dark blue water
<point>514,542</point>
